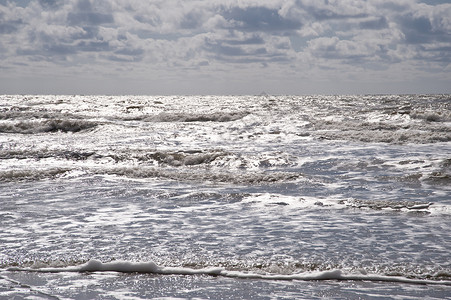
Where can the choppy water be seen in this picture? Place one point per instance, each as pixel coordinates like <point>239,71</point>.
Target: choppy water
<point>225,197</point>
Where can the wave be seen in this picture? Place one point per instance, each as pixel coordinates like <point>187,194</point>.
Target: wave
<point>154,173</point>
<point>45,153</point>
<point>163,158</point>
<point>186,165</point>
<point>47,126</point>
<point>28,113</point>
<point>189,117</point>
<point>382,204</point>
<point>152,268</point>
<point>214,158</point>
<point>383,135</point>
<point>203,175</point>
<point>418,121</point>
<point>31,175</point>
<point>183,158</point>
<point>442,176</point>
<point>440,116</point>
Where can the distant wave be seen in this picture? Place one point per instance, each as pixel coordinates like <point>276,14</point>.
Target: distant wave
<point>201,117</point>
<point>202,175</point>
<point>28,113</point>
<point>381,204</point>
<point>441,116</point>
<point>37,154</point>
<point>184,158</point>
<point>31,174</point>
<point>381,132</point>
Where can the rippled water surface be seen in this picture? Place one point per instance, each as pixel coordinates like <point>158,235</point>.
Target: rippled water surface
<point>225,197</point>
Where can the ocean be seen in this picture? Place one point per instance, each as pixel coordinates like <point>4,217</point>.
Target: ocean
<point>225,197</point>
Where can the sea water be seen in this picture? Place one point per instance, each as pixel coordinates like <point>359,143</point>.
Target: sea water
<point>225,197</point>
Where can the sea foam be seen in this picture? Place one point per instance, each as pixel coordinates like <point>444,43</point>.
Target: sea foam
<point>153,268</point>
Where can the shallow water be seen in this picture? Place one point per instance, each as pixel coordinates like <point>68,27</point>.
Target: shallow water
<point>283,197</point>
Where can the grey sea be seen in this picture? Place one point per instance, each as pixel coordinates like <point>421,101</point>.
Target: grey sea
<point>225,197</point>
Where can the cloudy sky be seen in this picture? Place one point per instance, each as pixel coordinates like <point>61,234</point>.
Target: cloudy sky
<point>225,46</point>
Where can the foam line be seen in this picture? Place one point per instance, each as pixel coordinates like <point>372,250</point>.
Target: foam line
<point>152,268</point>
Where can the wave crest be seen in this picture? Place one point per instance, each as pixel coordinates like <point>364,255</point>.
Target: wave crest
<point>153,268</point>
<point>209,176</point>
<point>52,125</point>
<point>31,175</point>
<point>184,158</point>
<point>204,117</point>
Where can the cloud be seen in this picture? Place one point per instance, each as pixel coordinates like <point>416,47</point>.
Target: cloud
<point>259,18</point>
<point>8,27</point>
<point>374,24</point>
<point>427,24</point>
<point>9,23</point>
<point>296,37</point>
<point>50,4</point>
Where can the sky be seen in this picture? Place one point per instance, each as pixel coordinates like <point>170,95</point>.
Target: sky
<point>227,47</point>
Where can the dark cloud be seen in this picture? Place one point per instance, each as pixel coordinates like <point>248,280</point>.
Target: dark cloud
<point>253,40</point>
<point>93,46</point>
<point>417,30</point>
<point>394,6</point>
<point>274,58</point>
<point>352,53</point>
<point>79,34</point>
<point>322,12</point>
<point>87,16</point>
<point>123,58</point>
<point>192,20</point>
<point>223,50</point>
<point>226,51</point>
<point>58,49</point>
<point>8,27</point>
<point>440,55</point>
<point>48,51</point>
<point>20,3</point>
<point>153,20</point>
<point>259,18</point>
<point>435,2</point>
<point>50,4</point>
<point>376,24</point>
<point>420,30</point>
<point>130,52</point>
<point>9,24</point>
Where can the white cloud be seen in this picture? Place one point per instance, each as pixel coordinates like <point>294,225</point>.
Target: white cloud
<point>210,39</point>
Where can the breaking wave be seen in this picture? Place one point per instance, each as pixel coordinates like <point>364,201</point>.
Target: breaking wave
<point>382,133</point>
<point>204,175</point>
<point>381,204</point>
<point>188,117</point>
<point>28,113</point>
<point>441,116</point>
<point>440,278</point>
<point>181,158</point>
<point>36,154</point>
<point>442,176</point>
<point>31,175</point>
<point>46,126</point>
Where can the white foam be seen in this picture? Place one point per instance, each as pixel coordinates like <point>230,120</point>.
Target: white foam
<point>153,268</point>
<point>292,202</point>
<point>267,201</point>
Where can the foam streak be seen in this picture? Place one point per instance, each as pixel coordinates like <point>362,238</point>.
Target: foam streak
<point>152,268</point>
